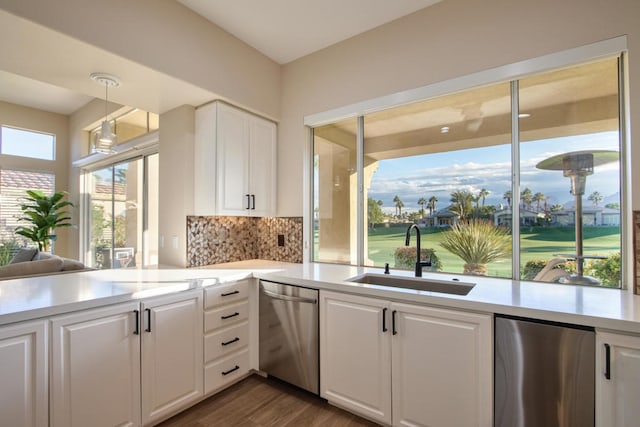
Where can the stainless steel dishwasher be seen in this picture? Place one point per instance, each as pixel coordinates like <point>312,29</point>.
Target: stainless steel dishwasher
<point>544,374</point>
<point>289,334</point>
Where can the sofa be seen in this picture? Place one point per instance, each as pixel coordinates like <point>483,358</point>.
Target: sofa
<point>30,262</point>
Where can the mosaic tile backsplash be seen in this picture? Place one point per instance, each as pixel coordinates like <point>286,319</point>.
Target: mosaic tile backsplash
<point>218,239</point>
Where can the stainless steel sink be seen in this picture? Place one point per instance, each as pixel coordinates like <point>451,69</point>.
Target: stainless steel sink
<point>420,284</point>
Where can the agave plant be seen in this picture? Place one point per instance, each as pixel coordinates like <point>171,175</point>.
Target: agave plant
<point>477,242</point>
<point>45,213</point>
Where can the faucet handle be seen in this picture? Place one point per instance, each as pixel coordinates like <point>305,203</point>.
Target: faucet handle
<point>386,268</point>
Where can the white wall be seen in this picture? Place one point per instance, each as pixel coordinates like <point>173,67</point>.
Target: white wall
<point>43,121</point>
<point>451,39</point>
<point>176,183</point>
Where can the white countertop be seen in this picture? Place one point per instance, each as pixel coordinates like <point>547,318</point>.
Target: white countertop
<point>30,298</point>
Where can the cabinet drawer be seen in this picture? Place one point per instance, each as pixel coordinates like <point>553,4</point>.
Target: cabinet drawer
<point>224,316</point>
<point>225,294</point>
<point>226,341</point>
<point>225,371</point>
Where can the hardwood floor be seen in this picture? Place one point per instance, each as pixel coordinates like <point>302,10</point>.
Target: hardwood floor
<point>261,402</point>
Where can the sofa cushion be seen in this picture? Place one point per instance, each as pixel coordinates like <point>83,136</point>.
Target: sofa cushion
<point>24,255</point>
<point>43,266</point>
<point>72,264</point>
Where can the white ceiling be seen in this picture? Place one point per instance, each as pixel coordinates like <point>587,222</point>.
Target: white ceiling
<point>285,30</point>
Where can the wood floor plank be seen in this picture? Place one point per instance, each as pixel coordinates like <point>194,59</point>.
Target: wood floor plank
<point>262,402</point>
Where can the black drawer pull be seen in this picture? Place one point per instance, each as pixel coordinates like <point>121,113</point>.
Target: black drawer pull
<point>231,370</point>
<point>148,328</point>
<point>236,339</point>
<point>230,293</point>
<point>230,316</point>
<point>394,331</point>
<point>137,330</point>
<point>248,201</point>
<point>384,319</point>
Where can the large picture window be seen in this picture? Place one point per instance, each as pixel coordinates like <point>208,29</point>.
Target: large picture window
<point>544,149</point>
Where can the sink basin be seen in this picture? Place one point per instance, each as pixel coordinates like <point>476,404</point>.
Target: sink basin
<point>417,283</point>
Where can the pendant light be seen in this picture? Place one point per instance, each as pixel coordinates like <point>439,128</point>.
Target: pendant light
<point>104,140</point>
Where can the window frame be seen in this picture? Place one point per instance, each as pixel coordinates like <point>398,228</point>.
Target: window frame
<point>508,73</point>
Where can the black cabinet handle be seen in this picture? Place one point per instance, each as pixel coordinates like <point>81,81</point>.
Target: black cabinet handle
<point>253,201</point>
<point>230,370</point>
<point>384,319</point>
<point>393,323</point>
<point>248,201</point>
<point>236,339</point>
<point>137,330</point>
<point>230,316</point>
<point>607,361</point>
<point>230,293</point>
<point>148,311</point>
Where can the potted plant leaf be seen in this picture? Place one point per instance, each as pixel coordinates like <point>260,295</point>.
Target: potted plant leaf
<point>45,214</point>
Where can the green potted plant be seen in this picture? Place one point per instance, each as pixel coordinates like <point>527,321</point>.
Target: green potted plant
<point>45,214</point>
<point>477,242</point>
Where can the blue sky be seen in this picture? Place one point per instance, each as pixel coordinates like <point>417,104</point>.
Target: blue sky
<point>490,167</point>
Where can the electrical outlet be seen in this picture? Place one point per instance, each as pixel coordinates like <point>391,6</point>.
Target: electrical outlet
<point>280,239</point>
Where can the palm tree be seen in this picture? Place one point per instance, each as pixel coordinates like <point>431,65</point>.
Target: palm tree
<point>539,197</point>
<point>483,195</point>
<point>508,196</point>
<point>526,196</point>
<point>432,206</point>
<point>596,198</point>
<point>399,205</point>
<point>462,203</point>
<point>422,202</point>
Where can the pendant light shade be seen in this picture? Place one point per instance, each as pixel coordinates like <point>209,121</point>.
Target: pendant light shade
<point>105,139</point>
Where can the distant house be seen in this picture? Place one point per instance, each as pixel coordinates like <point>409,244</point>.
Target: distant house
<point>591,216</point>
<point>527,217</point>
<point>445,217</point>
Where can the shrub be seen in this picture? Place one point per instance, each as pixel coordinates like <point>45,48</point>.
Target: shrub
<point>405,258</point>
<point>606,270</point>
<point>8,249</point>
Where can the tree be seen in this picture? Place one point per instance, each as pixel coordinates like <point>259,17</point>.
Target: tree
<point>614,205</point>
<point>508,196</point>
<point>538,198</point>
<point>374,213</point>
<point>422,202</point>
<point>527,197</point>
<point>462,203</point>
<point>596,198</point>
<point>483,195</point>
<point>399,205</point>
<point>556,208</point>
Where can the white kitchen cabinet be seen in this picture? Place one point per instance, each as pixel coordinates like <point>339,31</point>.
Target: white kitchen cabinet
<point>403,364</point>
<point>95,365</point>
<point>617,379</point>
<point>172,360</point>
<point>355,354</point>
<point>442,367</point>
<point>127,364</point>
<point>24,394</point>
<point>230,320</point>
<point>235,162</point>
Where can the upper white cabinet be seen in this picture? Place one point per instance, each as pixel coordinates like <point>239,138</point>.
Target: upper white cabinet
<point>24,394</point>
<point>406,365</point>
<point>235,162</point>
<point>617,379</point>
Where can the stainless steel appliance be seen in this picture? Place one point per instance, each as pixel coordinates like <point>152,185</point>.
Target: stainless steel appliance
<point>289,334</point>
<point>544,374</point>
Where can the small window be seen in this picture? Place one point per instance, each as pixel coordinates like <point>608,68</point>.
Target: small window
<point>27,143</point>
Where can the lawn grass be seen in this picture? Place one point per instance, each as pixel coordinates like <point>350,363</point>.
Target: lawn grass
<point>537,243</point>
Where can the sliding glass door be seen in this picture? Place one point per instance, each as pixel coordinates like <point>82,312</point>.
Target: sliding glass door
<point>122,211</point>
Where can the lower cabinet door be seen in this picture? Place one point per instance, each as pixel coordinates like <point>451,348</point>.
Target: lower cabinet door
<point>355,354</point>
<point>442,367</point>
<point>24,391</point>
<point>617,380</point>
<point>95,365</point>
<point>172,354</point>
